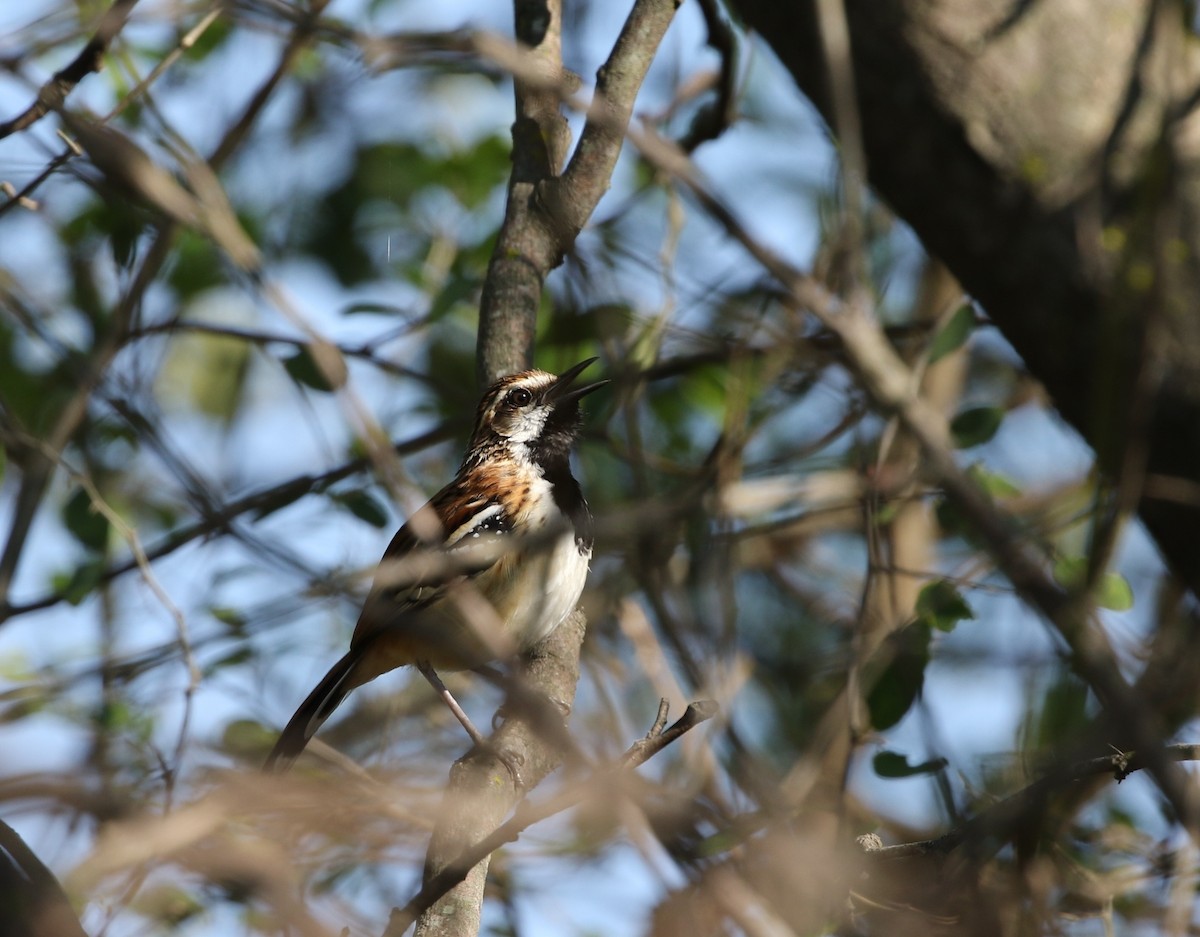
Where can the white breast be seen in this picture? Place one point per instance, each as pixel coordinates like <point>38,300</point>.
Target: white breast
<point>537,587</point>
<point>546,591</point>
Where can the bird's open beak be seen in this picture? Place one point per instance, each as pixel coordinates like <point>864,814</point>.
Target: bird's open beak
<point>561,392</point>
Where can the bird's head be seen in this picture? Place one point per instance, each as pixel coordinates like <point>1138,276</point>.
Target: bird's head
<point>534,414</point>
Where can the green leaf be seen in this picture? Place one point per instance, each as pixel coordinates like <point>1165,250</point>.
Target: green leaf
<point>1060,715</point>
<point>210,39</point>
<point>895,765</point>
<point>953,334</point>
<point>80,583</point>
<point>232,659</point>
<point>457,290</point>
<point>897,688</point>
<point>1112,591</point>
<point>472,175</point>
<point>975,426</point>
<point>89,526</point>
<point>247,738</point>
<point>196,265</point>
<point>578,328</point>
<point>1070,571</point>
<point>998,486</point>
<point>167,905</point>
<point>207,372</point>
<point>377,309</point>
<point>363,505</point>
<point>940,605</point>
<point>952,520</point>
<point>303,370</point>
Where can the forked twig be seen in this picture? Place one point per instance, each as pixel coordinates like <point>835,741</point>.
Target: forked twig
<point>528,814</point>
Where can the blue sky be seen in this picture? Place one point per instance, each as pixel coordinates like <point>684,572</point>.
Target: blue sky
<point>772,168</point>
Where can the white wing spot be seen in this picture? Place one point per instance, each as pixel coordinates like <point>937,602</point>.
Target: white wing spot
<point>474,524</point>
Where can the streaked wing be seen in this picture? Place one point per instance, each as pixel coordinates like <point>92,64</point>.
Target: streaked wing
<point>413,574</point>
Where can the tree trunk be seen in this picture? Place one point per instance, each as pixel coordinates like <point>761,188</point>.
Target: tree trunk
<point>1046,151</point>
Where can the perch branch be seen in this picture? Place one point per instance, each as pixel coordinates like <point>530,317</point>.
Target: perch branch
<point>528,814</point>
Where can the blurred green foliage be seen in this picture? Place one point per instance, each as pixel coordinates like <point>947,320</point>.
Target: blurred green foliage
<point>748,499</point>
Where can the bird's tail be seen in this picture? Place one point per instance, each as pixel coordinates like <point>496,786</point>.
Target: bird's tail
<point>316,708</point>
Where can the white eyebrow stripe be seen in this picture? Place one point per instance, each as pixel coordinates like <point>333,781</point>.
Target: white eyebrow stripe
<point>480,517</point>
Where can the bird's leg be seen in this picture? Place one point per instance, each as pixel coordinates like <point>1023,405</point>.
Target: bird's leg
<point>511,760</point>
<point>448,698</point>
<point>497,679</point>
<point>547,715</point>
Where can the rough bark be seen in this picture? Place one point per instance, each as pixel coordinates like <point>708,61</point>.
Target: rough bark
<point>1048,151</point>
<point>545,212</point>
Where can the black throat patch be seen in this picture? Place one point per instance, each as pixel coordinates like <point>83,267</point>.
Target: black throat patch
<point>569,498</point>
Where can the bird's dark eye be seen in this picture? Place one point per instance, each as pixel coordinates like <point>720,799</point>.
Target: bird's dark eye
<point>518,397</point>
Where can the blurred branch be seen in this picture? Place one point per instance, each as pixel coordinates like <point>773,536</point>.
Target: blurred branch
<point>130,536</point>
<point>528,814</point>
<point>993,827</point>
<point>659,738</point>
<point>111,147</point>
<point>715,118</point>
<point>91,59</point>
<point>366,350</point>
<point>186,41</point>
<point>543,215</point>
<point>265,499</point>
<point>893,388</point>
<point>293,488</point>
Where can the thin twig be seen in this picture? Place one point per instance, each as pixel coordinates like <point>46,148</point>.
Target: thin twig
<point>528,814</point>
<point>263,499</point>
<point>714,119</point>
<point>979,830</point>
<point>890,384</point>
<point>90,59</point>
<point>190,38</point>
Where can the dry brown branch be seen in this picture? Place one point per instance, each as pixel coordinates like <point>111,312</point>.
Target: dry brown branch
<point>90,59</point>
<point>21,198</point>
<point>894,389</point>
<point>991,828</point>
<point>91,370</point>
<point>957,102</point>
<point>544,213</point>
<point>453,872</point>
<point>265,499</point>
<point>284,492</point>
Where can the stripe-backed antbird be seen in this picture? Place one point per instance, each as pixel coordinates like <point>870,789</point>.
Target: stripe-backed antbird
<point>489,567</point>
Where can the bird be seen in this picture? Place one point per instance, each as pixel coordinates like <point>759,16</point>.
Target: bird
<point>490,566</point>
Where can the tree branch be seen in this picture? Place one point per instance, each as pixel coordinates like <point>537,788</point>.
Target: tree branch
<point>90,59</point>
<point>568,201</point>
<point>528,814</point>
<point>988,129</point>
<point>1004,815</point>
<point>35,478</point>
<point>533,240</point>
<point>546,211</point>
<point>892,387</point>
